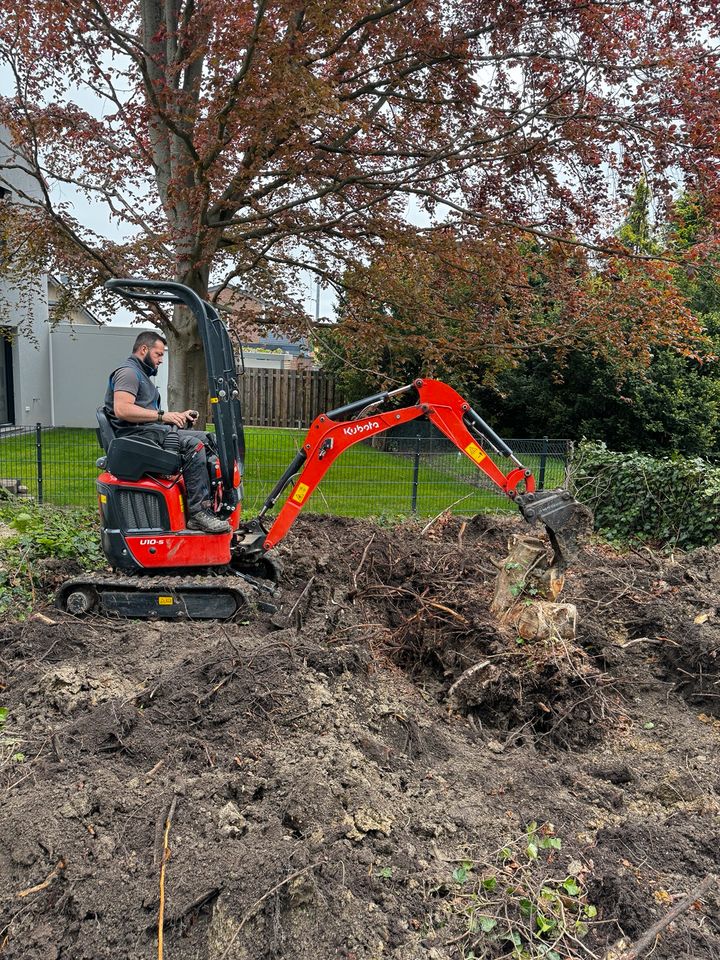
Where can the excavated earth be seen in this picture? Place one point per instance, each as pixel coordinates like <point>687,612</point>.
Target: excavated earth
<point>306,785</point>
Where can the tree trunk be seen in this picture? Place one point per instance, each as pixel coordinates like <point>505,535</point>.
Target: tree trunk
<point>525,601</point>
<point>187,375</point>
<point>526,592</point>
<point>187,379</point>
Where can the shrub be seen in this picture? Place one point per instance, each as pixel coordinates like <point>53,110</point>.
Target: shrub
<point>524,906</point>
<point>673,501</point>
<point>32,536</point>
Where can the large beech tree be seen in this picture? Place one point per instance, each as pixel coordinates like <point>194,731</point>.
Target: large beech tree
<point>239,141</point>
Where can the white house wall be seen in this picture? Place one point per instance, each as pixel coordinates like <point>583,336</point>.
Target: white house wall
<point>82,359</point>
<point>31,394</point>
<point>259,360</point>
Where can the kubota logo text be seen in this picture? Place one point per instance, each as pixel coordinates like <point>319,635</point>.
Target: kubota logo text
<point>361,428</point>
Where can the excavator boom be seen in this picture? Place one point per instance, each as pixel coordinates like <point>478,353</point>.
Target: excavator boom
<point>332,433</point>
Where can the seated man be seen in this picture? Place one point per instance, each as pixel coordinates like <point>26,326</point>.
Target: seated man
<point>132,404</point>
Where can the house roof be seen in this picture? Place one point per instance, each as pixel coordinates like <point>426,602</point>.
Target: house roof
<point>253,340</point>
<point>52,301</point>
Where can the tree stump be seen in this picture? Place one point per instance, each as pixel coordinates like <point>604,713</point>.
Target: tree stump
<point>526,591</point>
<point>526,606</point>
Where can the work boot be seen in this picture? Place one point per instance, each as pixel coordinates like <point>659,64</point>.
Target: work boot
<point>208,523</point>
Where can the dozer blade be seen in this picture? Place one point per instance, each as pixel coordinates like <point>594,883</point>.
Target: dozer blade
<point>565,520</point>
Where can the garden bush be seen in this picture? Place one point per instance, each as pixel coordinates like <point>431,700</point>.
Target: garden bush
<point>32,538</point>
<point>672,501</point>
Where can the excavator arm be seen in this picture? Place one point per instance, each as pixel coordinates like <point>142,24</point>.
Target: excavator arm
<point>332,433</point>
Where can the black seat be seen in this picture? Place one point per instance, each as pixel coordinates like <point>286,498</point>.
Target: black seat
<point>131,458</point>
<point>105,432</point>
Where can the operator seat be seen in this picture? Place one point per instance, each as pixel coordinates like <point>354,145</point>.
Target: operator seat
<point>104,432</point>
<point>131,458</point>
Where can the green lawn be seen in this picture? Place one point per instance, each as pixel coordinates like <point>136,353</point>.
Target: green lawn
<point>462,468</point>
<point>362,482</point>
<point>68,464</point>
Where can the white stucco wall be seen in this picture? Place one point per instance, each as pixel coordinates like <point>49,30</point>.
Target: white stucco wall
<point>82,359</point>
<point>24,315</point>
<point>260,360</point>
<point>24,311</point>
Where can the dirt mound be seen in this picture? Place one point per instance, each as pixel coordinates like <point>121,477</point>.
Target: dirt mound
<point>334,792</point>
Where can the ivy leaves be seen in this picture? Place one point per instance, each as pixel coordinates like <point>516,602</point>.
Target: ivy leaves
<point>673,501</point>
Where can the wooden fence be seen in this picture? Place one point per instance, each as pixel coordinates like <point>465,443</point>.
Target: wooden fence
<point>286,398</point>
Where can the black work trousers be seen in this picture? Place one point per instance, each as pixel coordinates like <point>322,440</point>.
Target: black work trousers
<point>192,447</point>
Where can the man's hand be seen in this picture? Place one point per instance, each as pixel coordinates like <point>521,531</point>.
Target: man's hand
<point>126,409</point>
<point>180,420</point>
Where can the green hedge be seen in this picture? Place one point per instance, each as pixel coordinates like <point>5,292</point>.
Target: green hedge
<point>674,501</point>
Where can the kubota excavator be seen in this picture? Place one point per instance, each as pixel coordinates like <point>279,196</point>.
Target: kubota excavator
<point>161,569</point>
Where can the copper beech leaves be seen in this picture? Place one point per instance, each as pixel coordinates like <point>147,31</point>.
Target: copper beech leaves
<point>245,142</point>
<point>472,309</point>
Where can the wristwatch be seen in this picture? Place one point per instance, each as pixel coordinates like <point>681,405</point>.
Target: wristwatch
<point>161,414</point>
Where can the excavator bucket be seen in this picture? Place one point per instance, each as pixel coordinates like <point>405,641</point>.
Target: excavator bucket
<point>567,522</point>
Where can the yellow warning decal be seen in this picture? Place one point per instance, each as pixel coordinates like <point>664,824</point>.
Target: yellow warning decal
<point>165,601</point>
<point>182,503</point>
<point>103,498</point>
<point>214,400</point>
<point>300,493</point>
<point>475,453</point>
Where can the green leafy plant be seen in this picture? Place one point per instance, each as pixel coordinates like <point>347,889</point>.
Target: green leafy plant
<point>462,873</point>
<point>523,907</point>
<point>21,521</point>
<point>390,519</point>
<point>42,533</point>
<point>672,501</point>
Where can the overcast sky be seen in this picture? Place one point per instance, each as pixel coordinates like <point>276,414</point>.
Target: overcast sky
<point>95,217</point>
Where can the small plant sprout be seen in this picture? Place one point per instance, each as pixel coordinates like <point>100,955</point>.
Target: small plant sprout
<point>461,874</point>
<point>8,744</point>
<point>520,908</point>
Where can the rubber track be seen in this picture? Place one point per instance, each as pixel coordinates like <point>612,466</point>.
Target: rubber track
<point>245,595</point>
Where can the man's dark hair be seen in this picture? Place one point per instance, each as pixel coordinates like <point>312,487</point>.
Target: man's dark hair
<point>146,339</point>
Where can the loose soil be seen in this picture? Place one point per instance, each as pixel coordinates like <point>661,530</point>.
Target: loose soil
<point>324,783</point>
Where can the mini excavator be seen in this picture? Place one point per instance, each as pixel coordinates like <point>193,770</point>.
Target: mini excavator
<point>163,570</point>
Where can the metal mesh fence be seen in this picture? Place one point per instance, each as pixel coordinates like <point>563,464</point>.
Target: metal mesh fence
<point>50,465</point>
<point>389,475</point>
